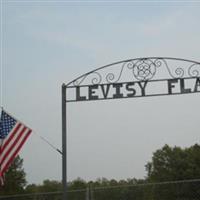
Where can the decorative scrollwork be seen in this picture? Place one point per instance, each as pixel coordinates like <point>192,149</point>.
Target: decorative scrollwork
<point>179,72</point>
<point>143,69</point>
<point>194,70</point>
<point>96,78</point>
<point>111,77</point>
<point>79,81</point>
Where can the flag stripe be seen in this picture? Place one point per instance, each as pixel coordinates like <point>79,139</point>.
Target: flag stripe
<point>4,164</point>
<point>12,152</point>
<point>10,147</point>
<point>16,151</point>
<point>12,134</point>
<point>11,142</point>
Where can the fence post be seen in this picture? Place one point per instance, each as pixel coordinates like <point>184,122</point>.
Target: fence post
<point>89,192</point>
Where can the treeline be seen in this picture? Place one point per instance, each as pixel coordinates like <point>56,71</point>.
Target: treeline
<point>80,184</point>
<point>168,164</point>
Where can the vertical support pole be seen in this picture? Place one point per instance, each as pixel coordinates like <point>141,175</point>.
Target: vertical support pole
<point>64,142</point>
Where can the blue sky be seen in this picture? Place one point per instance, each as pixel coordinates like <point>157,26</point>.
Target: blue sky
<point>46,44</point>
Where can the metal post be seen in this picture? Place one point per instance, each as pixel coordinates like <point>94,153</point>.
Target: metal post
<point>64,143</point>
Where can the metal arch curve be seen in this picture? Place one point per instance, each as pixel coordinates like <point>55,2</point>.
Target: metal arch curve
<point>143,69</point>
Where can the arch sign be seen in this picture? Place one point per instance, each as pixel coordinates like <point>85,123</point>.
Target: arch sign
<point>146,77</point>
<point>140,77</point>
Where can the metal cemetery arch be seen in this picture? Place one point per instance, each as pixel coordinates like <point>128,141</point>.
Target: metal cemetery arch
<point>174,76</point>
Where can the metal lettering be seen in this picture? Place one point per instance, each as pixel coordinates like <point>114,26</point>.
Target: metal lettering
<point>91,91</point>
<point>197,84</point>
<point>129,88</point>
<point>78,96</point>
<point>182,87</point>
<point>142,87</point>
<point>118,93</point>
<point>171,85</point>
<point>105,91</point>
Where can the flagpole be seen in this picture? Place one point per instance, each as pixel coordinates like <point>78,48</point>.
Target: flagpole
<point>64,142</point>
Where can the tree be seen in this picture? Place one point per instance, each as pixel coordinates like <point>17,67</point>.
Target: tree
<point>15,178</point>
<point>50,186</point>
<point>77,189</point>
<point>77,184</point>
<point>174,164</point>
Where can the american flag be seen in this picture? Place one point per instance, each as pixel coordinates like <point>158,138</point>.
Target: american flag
<point>13,134</point>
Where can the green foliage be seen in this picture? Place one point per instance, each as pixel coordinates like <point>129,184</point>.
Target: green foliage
<point>15,178</point>
<point>46,186</point>
<point>52,186</point>
<point>174,163</point>
<point>32,188</point>
<point>77,184</point>
<point>77,189</point>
